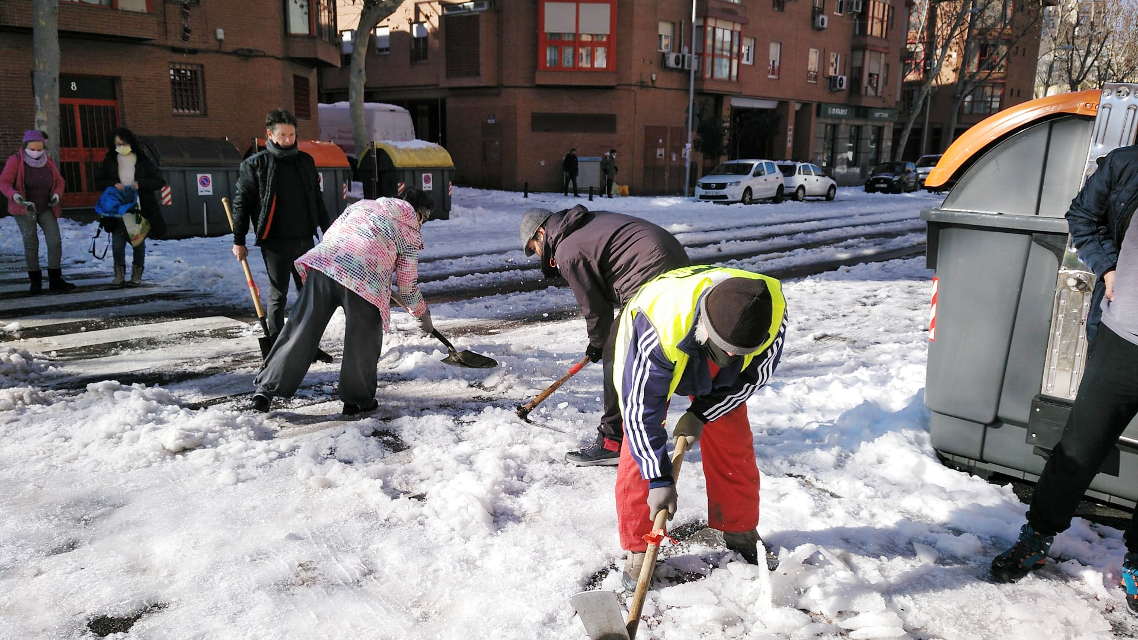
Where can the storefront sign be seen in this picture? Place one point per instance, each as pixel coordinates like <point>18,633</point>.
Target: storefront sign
<point>835,110</point>
<point>882,114</point>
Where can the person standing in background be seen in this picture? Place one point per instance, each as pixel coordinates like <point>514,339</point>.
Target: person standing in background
<point>609,170</point>
<point>569,166</point>
<point>126,166</point>
<point>34,186</point>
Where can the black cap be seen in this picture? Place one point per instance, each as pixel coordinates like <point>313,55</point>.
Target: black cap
<point>738,313</point>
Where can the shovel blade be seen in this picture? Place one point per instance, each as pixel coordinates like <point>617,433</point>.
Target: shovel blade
<point>600,613</point>
<point>470,360</point>
<point>266,343</point>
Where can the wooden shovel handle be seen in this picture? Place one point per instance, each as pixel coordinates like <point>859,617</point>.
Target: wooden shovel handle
<point>524,411</point>
<point>661,521</point>
<point>253,290</point>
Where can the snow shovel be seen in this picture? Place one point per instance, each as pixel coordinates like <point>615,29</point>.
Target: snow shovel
<point>464,358</point>
<point>266,341</point>
<point>523,411</point>
<point>600,610</point>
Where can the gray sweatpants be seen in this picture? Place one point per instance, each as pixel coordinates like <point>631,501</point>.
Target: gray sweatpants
<point>47,222</point>
<point>296,345</point>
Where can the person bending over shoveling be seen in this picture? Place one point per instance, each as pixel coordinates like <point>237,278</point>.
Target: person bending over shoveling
<point>372,245</point>
<point>605,257</point>
<point>715,335</point>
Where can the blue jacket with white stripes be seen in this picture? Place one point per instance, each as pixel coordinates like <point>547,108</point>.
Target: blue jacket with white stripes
<point>646,383</point>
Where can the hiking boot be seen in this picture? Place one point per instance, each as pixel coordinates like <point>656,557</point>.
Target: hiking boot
<point>120,276</point>
<point>602,452</point>
<point>36,278</point>
<point>1130,580</point>
<point>260,402</point>
<point>746,544</point>
<point>356,409</point>
<point>56,281</point>
<point>1026,555</point>
<point>633,564</point>
<point>135,275</point>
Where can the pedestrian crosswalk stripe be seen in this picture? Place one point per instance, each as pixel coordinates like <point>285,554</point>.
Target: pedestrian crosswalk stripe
<point>119,334</point>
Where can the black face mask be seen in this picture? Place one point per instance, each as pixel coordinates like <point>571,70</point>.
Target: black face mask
<point>717,355</point>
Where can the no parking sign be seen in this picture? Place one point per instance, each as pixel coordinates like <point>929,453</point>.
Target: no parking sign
<point>428,182</point>
<point>205,184</point>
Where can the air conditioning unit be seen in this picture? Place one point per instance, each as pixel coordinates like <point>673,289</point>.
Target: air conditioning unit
<point>688,60</point>
<point>855,6</point>
<point>836,83</point>
<point>821,21</point>
<point>674,60</point>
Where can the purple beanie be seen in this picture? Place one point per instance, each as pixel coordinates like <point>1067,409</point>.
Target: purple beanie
<point>33,136</point>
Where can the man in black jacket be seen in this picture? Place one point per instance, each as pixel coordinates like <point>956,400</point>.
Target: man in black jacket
<point>278,191</point>
<point>606,258</point>
<point>1107,401</point>
<point>569,166</point>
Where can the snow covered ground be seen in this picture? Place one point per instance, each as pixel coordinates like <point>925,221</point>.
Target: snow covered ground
<point>445,516</point>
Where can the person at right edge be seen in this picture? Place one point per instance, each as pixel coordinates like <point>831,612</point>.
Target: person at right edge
<point>278,190</point>
<point>1099,218</point>
<point>715,335</point>
<point>605,257</point>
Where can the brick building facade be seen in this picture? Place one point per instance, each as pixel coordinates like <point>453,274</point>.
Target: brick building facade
<point>508,86</point>
<point>209,68</point>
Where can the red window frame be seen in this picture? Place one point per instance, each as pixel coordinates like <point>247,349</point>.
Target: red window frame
<point>579,53</point>
<point>708,40</point>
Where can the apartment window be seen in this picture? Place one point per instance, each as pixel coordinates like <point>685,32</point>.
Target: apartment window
<point>748,54</point>
<point>301,98</point>
<point>419,42</point>
<point>989,57</point>
<point>875,20</point>
<point>835,67</point>
<point>779,5</point>
<point>124,5</point>
<point>983,100</point>
<point>857,59</point>
<point>312,17</point>
<point>382,37</point>
<point>818,7</point>
<point>872,65</point>
<point>346,37</point>
<point>774,60</point>
<point>812,65</point>
<point>914,57</point>
<point>187,88</point>
<point>839,7</point>
<point>664,31</point>
<point>576,36</point>
<point>995,14</point>
<point>720,39</point>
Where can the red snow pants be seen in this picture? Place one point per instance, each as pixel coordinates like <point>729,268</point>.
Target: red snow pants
<point>728,451</point>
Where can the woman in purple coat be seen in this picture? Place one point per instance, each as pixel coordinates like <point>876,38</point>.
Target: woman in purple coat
<point>33,186</point>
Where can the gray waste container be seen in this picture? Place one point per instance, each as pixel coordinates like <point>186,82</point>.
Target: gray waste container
<point>331,166</point>
<point>198,172</point>
<point>1004,314</point>
<point>389,167</point>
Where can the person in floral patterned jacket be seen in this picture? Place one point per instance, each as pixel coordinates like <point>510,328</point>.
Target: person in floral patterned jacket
<point>373,245</point>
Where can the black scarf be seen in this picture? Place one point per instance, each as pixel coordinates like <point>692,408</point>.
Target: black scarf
<point>281,153</point>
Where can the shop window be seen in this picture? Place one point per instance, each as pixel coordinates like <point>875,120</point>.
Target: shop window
<point>852,145</point>
<point>830,145</point>
<point>812,65</point>
<point>577,36</point>
<point>187,88</point>
<point>873,150</point>
<point>301,98</point>
<point>420,44</point>
<point>748,53</point>
<point>382,40</point>
<point>774,60</point>
<point>665,31</point>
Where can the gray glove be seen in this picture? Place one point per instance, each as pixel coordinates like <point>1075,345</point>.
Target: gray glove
<point>425,322</point>
<point>662,498</point>
<point>54,200</point>
<point>19,199</point>
<point>689,425</point>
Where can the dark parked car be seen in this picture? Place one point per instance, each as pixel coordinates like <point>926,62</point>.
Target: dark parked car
<point>895,177</point>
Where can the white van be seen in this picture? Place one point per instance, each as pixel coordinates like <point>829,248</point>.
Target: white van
<point>384,122</point>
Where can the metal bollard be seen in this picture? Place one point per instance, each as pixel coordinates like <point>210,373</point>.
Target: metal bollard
<point>525,190</point>
<point>590,194</point>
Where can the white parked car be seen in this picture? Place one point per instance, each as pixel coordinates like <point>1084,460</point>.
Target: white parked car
<point>925,165</point>
<point>741,181</point>
<point>803,179</point>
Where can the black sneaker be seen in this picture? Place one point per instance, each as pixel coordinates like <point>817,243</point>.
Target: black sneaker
<point>746,544</point>
<point>1028,554</point>
<point>596,454</point>
<point>1130,580</point>
<point>260,402</point>
<point>356,409</point>
<point>322,356</point>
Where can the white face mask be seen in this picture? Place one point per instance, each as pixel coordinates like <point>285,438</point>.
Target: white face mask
<point>123,149</point>
<point>34,155</point>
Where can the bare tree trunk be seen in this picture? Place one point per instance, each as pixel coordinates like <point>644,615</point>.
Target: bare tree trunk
<point>45,73</point>
<point>373,13</point>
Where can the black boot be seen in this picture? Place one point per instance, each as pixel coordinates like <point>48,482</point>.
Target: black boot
<point>56,282</point>
<point>37,281</point>
<point>1028,554</point>
<point>602,452</point>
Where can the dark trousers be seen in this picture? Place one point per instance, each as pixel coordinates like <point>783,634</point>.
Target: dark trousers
<point>612,427</point>
<point>569,177</point>
<point>608,185</point>
<point>279,257</point>
<point>296,346</point>
<point>1106,403</point>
